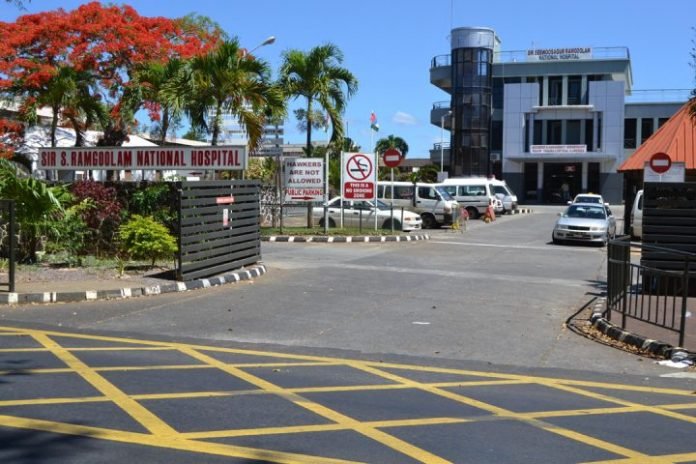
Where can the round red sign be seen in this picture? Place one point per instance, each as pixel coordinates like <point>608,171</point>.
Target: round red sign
<point>660,162</point>
<point>392,157</point>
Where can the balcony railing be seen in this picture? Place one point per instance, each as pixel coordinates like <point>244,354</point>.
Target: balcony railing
<point>441,105</point>
<point>520,56</point>
<point>659,96</point>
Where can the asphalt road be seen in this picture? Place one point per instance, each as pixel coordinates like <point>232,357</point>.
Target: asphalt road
<point>446,350</point>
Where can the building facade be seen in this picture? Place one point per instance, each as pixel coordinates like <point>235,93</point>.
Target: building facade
<point>542,118</point>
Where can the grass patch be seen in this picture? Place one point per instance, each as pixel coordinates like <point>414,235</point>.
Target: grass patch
<point>333,232</point>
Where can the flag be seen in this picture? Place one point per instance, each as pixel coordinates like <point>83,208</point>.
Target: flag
<point>373,122</point>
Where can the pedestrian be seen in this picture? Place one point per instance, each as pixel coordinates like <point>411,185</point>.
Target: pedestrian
<point>565,191</point>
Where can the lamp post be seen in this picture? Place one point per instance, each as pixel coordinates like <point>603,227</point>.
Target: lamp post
<point>442,141</point>
<point>268,41</point>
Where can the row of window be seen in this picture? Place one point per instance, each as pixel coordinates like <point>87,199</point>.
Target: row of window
<point>647,127</point>
<point>577,94</point>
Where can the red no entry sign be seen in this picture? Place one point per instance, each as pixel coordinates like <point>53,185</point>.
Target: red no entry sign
<point>660,162</point>
<point>392,157</point>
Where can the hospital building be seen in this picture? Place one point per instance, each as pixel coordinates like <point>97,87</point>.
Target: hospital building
<point>542,117</point>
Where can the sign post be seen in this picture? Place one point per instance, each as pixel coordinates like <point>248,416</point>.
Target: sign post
<point>392,158</point>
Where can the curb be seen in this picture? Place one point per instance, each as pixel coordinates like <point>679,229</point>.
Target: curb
<point>646,345</point>
<point>344,239</point>
<point>131,292</point>
<point>520,211</point>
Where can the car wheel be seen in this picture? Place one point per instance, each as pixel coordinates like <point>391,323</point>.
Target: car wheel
<point>555,240</point>
<point>428,221</point>
<point>332,223</point>
<point>473,212</point>
<point>388,224</point>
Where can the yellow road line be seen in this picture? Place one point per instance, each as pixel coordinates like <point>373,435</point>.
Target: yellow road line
<point>371,432</point>
<point>168,442</point>
<point>148,420</point>
<point>505,413</point>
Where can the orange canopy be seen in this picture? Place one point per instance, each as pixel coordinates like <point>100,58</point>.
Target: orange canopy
<point>676,137</point>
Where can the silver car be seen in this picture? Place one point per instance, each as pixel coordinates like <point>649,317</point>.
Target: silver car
<point>585,222</point>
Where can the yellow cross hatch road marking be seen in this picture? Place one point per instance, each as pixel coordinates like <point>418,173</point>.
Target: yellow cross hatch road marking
<point>250,374</point>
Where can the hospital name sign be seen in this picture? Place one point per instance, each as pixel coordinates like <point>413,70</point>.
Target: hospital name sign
<point>559,54</point>
<point>227,157</point>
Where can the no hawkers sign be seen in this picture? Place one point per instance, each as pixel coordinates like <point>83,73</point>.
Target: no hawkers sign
<point>222,157</point>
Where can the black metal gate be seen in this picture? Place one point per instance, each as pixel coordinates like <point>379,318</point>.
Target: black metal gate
<point>218,227</point>
<point>8,242</point>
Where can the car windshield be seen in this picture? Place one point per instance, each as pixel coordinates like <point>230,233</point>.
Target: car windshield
<point>586,211</point>
<point>588,199</point>
<point>500,189</point>
<point>444,194</point>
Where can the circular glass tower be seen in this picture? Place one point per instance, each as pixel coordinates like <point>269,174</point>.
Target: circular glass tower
<point>472,83</point>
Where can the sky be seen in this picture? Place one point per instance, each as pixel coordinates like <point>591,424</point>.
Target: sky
<point>388,45</point>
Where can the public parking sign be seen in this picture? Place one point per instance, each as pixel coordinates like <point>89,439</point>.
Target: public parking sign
<point>304,179</point>
<point>359,176</point>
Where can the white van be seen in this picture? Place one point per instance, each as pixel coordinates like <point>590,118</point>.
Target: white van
<point>474,194</point>
<point>502,191</point>
<point>435,206</point>
<point>637,216</point>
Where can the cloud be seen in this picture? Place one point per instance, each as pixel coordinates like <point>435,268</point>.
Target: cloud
<point>404,119</point>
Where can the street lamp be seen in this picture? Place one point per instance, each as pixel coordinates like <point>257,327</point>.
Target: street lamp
<point>268,41</point>
<point>442,141</point>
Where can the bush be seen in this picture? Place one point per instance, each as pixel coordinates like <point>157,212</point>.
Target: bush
<point>145,238</point>
<point>103,214</point>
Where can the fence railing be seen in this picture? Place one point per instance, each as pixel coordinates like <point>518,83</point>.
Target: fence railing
<point>654,296</point>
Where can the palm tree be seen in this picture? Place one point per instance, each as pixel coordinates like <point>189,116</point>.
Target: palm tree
<point>227,80</point>
<point>392,141</point>
<point>319,77</point>
<point>153,77</point>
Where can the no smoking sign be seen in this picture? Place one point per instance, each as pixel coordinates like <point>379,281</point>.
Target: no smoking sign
<point>359,176</point>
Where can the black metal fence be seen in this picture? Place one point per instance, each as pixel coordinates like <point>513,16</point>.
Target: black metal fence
<point>218,227</point>
<point>8,242</point>
<point>649,294</point>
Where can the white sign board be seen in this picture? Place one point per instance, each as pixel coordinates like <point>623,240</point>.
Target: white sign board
<point>224,158</point>
<point>675,173</point>
<point>539,149</point>
<point>303,179</point>
<point>359,176</point>
<point>559,54</point>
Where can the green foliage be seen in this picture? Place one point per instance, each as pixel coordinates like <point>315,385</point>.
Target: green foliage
<point>145,238</point>
<point>262,169</point>
<point>154,200</point>
<point>38,211</point>
<point>392,141</point>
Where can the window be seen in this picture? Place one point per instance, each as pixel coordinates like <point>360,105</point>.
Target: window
<point>554,133</point>
<point>497,135</point>
<point>427,193</point>
<point>646,129</point>
<point>630,133</point>
<point>589,134</point>
<point>555,90</point>
<point>661,121</point>
<point>403,192</point>
<point>575,90</point>
<point>573,132</point>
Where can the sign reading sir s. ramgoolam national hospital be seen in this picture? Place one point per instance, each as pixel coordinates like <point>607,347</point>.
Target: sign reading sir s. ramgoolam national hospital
<point>223,157</point>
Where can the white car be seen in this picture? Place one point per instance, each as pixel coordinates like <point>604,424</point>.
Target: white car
<point>355,211</point>
<point>588,198</point>
<point>585,222</point>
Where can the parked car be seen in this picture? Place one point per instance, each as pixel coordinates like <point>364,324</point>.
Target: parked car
<point>355,211</point>
<point>435,206</point>
<point>637,216</point>
<point>585,222</point>
<point>503,192</point>
<point>588,198</point>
